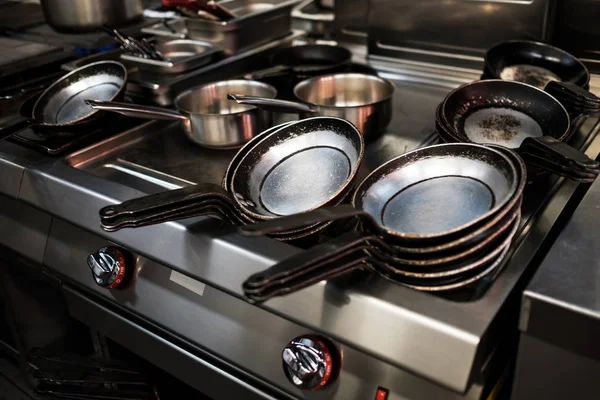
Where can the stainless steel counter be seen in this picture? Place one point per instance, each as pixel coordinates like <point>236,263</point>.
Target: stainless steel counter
<point>423,346</point>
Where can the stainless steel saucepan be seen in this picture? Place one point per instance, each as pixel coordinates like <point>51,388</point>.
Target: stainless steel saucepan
<point>208,118</point>
<point>364,100</point>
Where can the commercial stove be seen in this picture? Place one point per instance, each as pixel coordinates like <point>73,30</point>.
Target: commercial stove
<point>182,306</point>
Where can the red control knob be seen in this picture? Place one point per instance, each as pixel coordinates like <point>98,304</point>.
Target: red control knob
<point>311,362</point>
<point>109,266</point>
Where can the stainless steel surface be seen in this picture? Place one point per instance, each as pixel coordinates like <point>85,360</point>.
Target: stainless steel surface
<point>249,28</point>
<point>308,363</point>
<point>24,228</point>
<point>453,32</point>
<point>180,55</point>
<point>175,28</point>
<point>208,118</point>
<point>351,21</point>
<point>86,15</point>
<point>108,266</point>
<point>163,88</point>
<point>309,18</point>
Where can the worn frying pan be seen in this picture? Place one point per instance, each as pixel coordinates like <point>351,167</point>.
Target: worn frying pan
<point>301,166</point>
<point>317,264</point>
<point>305,61</point>
<point>534,63</point>
<point>514,115</point>
<point>424,197</point>
<point>62,104</point>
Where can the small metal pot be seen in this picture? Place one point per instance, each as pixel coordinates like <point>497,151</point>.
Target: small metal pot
<point>208,118</point>
<point>364,100</point>
<point>89,15</point>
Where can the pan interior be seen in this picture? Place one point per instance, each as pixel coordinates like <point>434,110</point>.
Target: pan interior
<point>212,98</point>
<point>437,194</point>
<point>530,74</point>
<point>67,103</point>
<point>344,90</point>
<point>498,125</point>
<point>300,167</point>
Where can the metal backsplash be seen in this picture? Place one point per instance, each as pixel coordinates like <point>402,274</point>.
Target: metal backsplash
<point>351,20</point>
<point>454,32</point>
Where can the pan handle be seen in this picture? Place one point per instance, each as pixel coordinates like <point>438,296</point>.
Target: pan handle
<point>136,110</point>
<point>560,153</point>
<point>294,221</point>
<point>319,260</point>
<point>16,128</point>
<point>270,72</point>
<point>165,200</point>
<point>274,105</point>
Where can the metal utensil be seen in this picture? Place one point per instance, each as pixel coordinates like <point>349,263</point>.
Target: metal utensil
<point>364,100</point>
<point>62,104</point>
<point>208,118</point>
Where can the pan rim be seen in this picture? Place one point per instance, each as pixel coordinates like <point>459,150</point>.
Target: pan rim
<point>75,71</point>
<point>196,88</point>
<point>404,235</point>
<point>494,81</point>
<point>541,44</point>
<point>349,180</point>
<point>345,74</point>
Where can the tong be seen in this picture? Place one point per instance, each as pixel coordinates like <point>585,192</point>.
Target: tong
<point>140,48</point>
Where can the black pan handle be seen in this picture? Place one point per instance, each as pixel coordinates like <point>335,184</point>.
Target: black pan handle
<point>553,149</point>
<point>304,263</point>
<point>558,169</point>
<point>17,127</point>
<point>269,104</point>
<point>165,200</point>
<point>276,70</point>
<point>294,221</point>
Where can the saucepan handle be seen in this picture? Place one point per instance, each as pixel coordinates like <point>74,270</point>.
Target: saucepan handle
<point>274,105</point>
<point>294,221</point>
<point>165,200</point>
<point>297,270</point>
<point>136,110</point>
<point>270,72</point>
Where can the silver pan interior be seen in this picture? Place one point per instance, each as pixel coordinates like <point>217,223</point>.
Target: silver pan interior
<point>300,167</point>
<point>437,190</point>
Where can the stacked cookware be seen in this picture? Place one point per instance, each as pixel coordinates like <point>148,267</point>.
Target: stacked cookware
<point>436,219</point>
<point>290,168</point>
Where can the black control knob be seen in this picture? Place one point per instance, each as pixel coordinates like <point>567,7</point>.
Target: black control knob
<point>109,266</point>
<point>310,362</point>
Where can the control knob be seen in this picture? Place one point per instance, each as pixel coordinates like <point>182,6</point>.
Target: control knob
<point>310,362</point>
<point>109,266</point>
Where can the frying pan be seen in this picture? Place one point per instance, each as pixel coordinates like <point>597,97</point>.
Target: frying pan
<point>534,63</point>
<point>305,61</point>
<point>207,118</point>
<point>424,197</point>
<point>515,115</point>
<point>316,265</point>
<point>279,174</point>
<point>365,100</point>
<point>62,104</point>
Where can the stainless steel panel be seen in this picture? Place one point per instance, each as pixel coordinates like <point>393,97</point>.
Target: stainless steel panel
<point>548,372</point>
<point>240,342</point>
<point>455,32</point>
<point>351,21</point>
<point>23,228</point>
<point>14,159</point>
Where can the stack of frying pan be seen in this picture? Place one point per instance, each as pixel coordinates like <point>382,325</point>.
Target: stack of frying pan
<point>439,218</point>
<point>517,116</point>
<point>291,168</point>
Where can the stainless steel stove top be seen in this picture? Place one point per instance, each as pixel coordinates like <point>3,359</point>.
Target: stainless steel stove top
<point>187,277</point>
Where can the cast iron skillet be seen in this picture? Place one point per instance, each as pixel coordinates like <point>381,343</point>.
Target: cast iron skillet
<point>534,63</point>
<point>62,104</point>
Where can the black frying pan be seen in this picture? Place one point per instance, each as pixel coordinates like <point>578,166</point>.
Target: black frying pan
<point>62,104</point>
<point>301,166</point>
<point>514,115</point>
<point>305,61</point>
<point>534,63</point>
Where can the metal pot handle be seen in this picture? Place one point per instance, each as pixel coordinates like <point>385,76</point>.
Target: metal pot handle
<point>270,72</point>
<point>270,104</point>
<point>294,221</point>
<point>136,110</point>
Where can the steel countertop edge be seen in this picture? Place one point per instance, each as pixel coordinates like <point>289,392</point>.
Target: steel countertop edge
<point>429,326</point>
